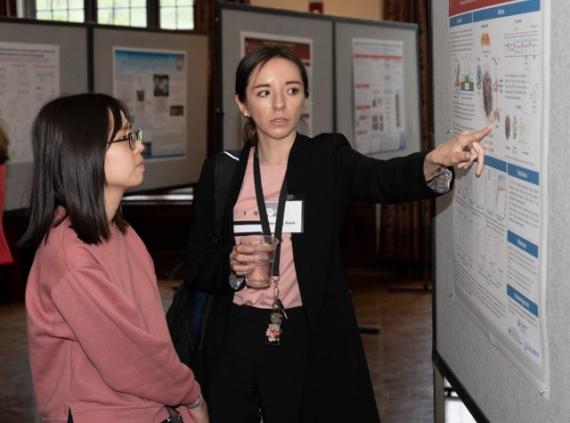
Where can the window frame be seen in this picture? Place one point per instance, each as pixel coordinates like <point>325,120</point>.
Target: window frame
<point>193,6</point>
<point>148,16</point>
<point>152,14</point>
<point>30,11</point>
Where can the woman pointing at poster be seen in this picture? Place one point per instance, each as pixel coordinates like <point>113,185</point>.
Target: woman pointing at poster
<point>292,349</point>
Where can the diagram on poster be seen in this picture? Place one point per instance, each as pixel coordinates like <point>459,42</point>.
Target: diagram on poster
<point>378,95</point>
<point>153,85</point>
<point>29,78</point>
<point>303,47</point>
<point>497,58</point>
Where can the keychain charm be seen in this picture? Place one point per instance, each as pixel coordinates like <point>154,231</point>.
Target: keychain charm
<point>273,331</point>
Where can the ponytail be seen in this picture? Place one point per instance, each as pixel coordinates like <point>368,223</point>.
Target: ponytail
<point>249,132</point>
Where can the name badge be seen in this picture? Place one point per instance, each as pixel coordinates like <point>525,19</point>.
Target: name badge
<point>292,218</point>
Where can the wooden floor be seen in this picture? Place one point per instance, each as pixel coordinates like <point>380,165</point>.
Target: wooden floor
<point>399,357</point>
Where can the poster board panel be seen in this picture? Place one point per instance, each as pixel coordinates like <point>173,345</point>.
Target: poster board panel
<point>236,22</point>
<point>466,349</point>
<point>366,54</point>
<point>177,103</point>
<point>63,47</point>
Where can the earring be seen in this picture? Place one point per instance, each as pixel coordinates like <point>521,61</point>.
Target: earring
<point>246,115</point>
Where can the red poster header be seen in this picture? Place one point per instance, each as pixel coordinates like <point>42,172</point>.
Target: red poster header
<point>378,56</point>
<point>303,50</point>
<point>461,6</point>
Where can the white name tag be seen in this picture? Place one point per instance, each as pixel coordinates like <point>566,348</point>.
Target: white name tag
<point>292,219</point>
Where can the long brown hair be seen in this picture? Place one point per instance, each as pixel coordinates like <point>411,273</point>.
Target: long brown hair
<point>248,64</point>
<point>3,146</point>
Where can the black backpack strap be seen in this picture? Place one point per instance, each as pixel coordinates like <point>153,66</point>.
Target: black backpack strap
<point>188,314</point>
<point>224,169</point>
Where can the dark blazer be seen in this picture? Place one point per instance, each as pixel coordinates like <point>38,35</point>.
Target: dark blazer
<point>328,174</point>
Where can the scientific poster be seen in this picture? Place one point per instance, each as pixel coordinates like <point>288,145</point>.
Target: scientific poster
<point>499,61</point>
<point>304,49</point>
<point>153,85</point>
<point>378,95</point>
<point>29,78</point>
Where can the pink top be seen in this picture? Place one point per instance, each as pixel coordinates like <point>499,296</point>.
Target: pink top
<point>98,340</point>
<point>5,255</point>
<point>245,210</point>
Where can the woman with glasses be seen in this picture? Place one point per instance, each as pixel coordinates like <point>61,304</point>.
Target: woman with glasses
<point>99,346</point>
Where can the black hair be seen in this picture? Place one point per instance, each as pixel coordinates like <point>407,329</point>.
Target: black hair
<point>3,146</point>
<point>259,57</point>
<point>69,141</point>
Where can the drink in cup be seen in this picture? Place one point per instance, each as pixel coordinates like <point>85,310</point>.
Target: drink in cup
<point>264,253</point>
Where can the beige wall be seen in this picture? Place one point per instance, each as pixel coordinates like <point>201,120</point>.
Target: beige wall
<point>363,9</point>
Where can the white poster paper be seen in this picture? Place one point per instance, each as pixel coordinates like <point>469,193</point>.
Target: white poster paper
<point>499,62</point>
<point>29,77</point>
<point>153,85</point>
<point>378,95</point>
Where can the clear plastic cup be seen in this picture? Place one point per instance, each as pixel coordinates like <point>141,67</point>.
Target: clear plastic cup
<point>264,253</point>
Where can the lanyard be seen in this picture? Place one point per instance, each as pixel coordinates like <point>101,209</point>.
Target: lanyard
<point>263,210</point>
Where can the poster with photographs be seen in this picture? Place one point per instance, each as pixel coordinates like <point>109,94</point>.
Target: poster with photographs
<point>152,83</point>
<point>303,47</point>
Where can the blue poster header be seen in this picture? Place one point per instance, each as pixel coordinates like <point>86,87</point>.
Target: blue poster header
<point>496,163</point>
<point>461,19</point>
<point>496,12</point>
<point>523,244</point>
<point>524,174</point>
<point>522,300</point>
<point>507,10</point>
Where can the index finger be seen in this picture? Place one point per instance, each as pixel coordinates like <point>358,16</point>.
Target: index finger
<point>480,151</point>
<point>478,135</point>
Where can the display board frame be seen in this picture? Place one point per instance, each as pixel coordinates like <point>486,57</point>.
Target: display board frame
<point>490,384</point>
<point>231,21</point>
<point>74,72</point>
<point>346,30</point>
<point>175,171</point>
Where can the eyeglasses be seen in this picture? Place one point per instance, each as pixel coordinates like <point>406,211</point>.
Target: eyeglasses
<point>132,137</point>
